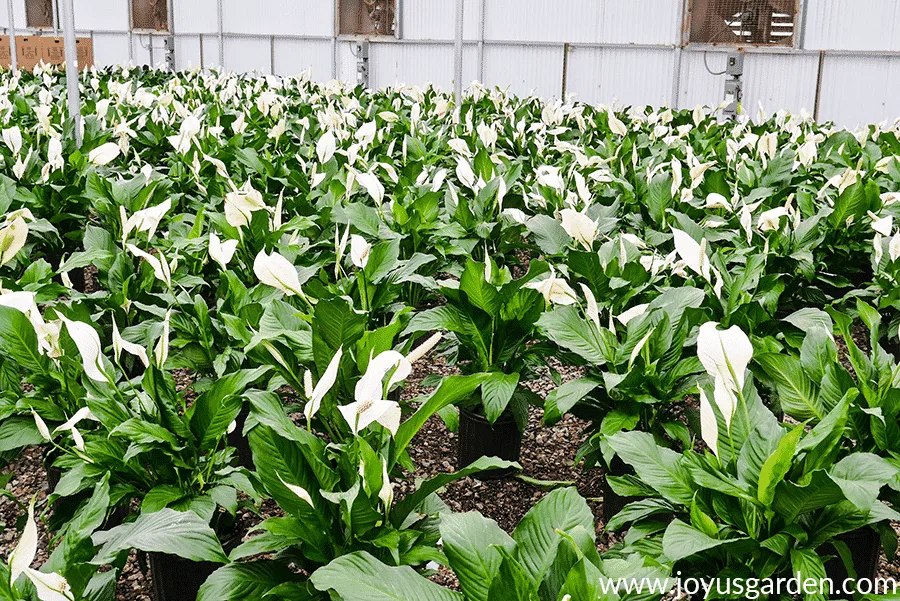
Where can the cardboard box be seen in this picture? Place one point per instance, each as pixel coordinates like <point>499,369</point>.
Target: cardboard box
<point>28,52</point>
<point>53,51</point>
<point>85,47</point>
<point>5,52</point>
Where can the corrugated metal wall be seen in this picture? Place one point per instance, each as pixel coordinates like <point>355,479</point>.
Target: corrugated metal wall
<point>628,52</point>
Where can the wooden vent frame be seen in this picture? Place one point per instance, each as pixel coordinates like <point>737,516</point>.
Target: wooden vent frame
<point>150,15</point>
<point>743,22</point>
<point>39,14</point>
<point>367,17</point>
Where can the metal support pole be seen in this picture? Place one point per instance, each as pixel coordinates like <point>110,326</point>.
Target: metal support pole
<point>221,25</point>
<point>481,23</point>
<point>68,23</point>
<point>458,63</point>
<point>12,34</point>
<point>171,64</point>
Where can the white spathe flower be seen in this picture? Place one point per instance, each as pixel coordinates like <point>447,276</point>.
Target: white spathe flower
<point>882,225</point>
<point>43,430</point>
<point>159,264</point>
<point>105,154</point>
<point>592,311</point>
<point>12,239</point>
<point>692,253</point>
<point>579,226</point>
<point>361,414</point>
<point>372,185</point>
<point>554,290</point>
<point>221,252</point>
<point>161,352</point>
<point>424,348</point>
<point>893,247</point>
<point>55,154</point>
<point>301,492</point>
<point>725,354</point>
<point>386,494</point>
<point>371,387</point>
<point>12,137</point>
<point>806,154</point>
<point>464,173</point>
<point>616,125</point>
<point>359,251</point>
<point>88,343</point>
<point>323,386</point>
<point>770,220</point>
<point>120,344</point>
<point>717,201</point>
<point>631,313</point>
<point>241,203</point>
<point>145,220</point>
<point>276,271</point>
<point>550,177</point>
<point>326,147</point>
<point>79,416</point>
<point>187,133</point>
<point>48,586</point>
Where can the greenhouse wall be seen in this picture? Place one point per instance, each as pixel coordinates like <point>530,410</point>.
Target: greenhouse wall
<point>843,66</point>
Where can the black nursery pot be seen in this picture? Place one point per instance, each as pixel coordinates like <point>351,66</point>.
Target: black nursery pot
<point>240,442</point>
<point>178,579</point>
<point>865,549</point>
<point>478,438</point>
<point>613,503</point>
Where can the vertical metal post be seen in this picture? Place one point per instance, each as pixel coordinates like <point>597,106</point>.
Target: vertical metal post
<point>130,32</point>
<point>335,31</point>
<point>272,54</point>
<point>68,22</point>
<point>221,25</point>
<point>565,71</point>
<point>54,9</point>
<point>818,101</point>
<point>12,34</point>
<point>481,23</point>
<point>458,60</point>
<point>800,20</point>
<point>398,20</point>
<point>171,63</point>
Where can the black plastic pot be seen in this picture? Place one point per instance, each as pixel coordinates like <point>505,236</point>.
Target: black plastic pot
<point>613,503</point>
<point>240,442</point>
<point>178,579</point>
<point>865,549</point>
<point>478,438</point>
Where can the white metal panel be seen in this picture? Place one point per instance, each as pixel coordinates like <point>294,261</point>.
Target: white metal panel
<point>295,56</point>
<point>640,22</point>
<point>196,16</point>
<point>346,62</point>
<point>187,52</point>
<point>248,54</point>
<point>857,90</point>
<point>110,49</point>
<point>18,13</point>
<point>780,81</point>
<point>436,19</point>
<point>698,85</point>
<point>287,17</point>
<point>211,51</point>
<point>542,21</point>
<point>145,50</point>
<point>625,76</point>
<point>415,64</point>
<point>524,69</point>
<point>853,25</point>
<point>108,15</point>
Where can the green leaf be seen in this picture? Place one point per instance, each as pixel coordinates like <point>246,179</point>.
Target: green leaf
<point>215,409</point>
<point>183,534</point>
<point>471,543</point>
<point>566,327</point>
<point>479,292</point>
<point>861,476</point>
<point>808,566</point>
<point>777,466</point>
<point>18,432</point>
<point>537,534</point>
<point>681,540</point>
<point>239,581</point>
<point>18,340</point>
<point>549,234</point>
<point>656,466</point>
<point>513,583</point>
<point>796,392</point>
<point>361,577</point>
<point>561,399</point>
<point>659,197</point>
<point>496,393</point>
